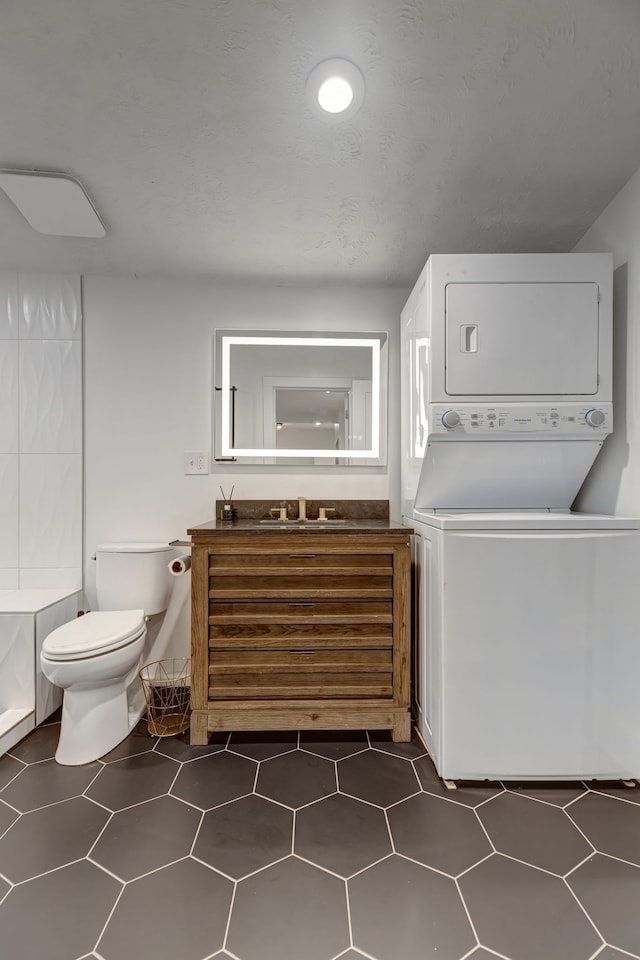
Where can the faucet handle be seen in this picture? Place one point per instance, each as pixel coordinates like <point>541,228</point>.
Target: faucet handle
<point>281,511</point>
<point>322,512</point>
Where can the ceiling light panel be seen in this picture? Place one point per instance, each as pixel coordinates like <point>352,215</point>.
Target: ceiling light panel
<point>52,203</point>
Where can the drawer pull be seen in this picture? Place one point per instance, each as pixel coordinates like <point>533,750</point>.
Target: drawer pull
<point>302,604</point>
<point>304,653</point>
<point>302,555</point>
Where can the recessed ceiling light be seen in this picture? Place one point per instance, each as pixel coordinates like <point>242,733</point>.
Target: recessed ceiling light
<point>52,203</point>
<point>335,89</point>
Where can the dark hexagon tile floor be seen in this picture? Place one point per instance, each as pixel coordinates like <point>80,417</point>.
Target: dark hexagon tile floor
<point>261,746</point>
<point>216,779</point>
<point>342,834</point>
<point>525,913</point>
<point>470,794</point>
<point>239,838</point>
<point>445,836</point>
<point>318,845</point>
<point>9,769</point>
<point>377,778</point>
<point>334,744</point>
<point>609,891</point>
<point>291,909</point>
<point>45,782</point>
<point>146,836</point>
<point>50,837</point>
<point>611,825</point>
<point>179,748</point>
<point>7,816</point>
<point>41,744</point>
<point>401,910</point>
<point>59,915</point>
<point>537,833</point>
<point>132,780</point>
<point>180,911</point>
<point>296,779</point>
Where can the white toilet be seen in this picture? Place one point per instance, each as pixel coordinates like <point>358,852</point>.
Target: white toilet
<point>95,657</point>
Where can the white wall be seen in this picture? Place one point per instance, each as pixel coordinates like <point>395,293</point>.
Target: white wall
<point>613,486</point>
<point>40,431</point>
<point>148,355</point>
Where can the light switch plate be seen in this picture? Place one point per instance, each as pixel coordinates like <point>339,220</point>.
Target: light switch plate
<point>197,462</point>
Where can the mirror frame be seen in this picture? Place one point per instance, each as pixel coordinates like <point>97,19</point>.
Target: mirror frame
<point>224,449</point>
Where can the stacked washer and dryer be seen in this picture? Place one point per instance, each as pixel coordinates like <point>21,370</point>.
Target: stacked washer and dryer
<point>527,615</point>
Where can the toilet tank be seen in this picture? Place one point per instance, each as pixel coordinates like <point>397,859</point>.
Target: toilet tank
<point>133,575</point>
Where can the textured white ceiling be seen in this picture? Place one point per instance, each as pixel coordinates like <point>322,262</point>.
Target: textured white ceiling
<point>488,125</point>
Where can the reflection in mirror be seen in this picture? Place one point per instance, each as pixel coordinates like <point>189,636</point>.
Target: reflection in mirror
<point>314,399</point>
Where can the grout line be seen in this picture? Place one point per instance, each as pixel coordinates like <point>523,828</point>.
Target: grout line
<point>106,824</point>
<point>348,906</point>
<point>583,909</point>
<point>318,866</point>
<point>217,870</point>
<point>375,863</point>
<point>229,915</point>
<point>525,863</point>
<point>106,870</point>
<point>582,834</point>
<point>485,831</point>
<point>612,796</point>
<point>11,807</point>
<point>389,831</point>
<point>426,866</point>
<point>196,834</point>
<point>468,914</point>
<point>46,873</point>
<point>107,921</point>
<point>467,870</point>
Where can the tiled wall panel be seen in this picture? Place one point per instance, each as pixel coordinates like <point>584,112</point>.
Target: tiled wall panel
<point>8,306</point>
<point>50,396</point>
<point>50,521</point>
<point>9,396</point>
<point>17,663</point>
<point>49,307</point>
<point>9,500</point>
<point>40,431</point>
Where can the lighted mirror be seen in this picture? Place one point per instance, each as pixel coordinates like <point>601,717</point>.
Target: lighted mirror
<point>313,399</point>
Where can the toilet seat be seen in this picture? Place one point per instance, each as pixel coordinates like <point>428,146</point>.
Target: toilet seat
<point>93,634</point>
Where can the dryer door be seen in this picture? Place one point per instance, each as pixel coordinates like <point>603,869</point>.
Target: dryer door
<point>521,339</point>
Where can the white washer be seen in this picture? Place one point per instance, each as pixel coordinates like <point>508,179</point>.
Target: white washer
<point>527,651</point>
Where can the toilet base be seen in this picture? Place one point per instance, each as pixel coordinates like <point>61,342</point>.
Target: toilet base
<point>94,721</point>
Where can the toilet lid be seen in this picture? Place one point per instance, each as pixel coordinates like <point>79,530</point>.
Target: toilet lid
<point>96,632</point>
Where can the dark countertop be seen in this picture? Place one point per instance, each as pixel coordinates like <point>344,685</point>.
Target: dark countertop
<point>364,526</point>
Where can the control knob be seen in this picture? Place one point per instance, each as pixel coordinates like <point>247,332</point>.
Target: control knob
<point>450,419</point>
<point>595,418</point>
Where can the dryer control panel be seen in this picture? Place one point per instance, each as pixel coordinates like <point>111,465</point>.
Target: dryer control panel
<point>472,420</point>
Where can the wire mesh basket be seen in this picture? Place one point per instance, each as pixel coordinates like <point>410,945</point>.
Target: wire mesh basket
<point>167,692</point>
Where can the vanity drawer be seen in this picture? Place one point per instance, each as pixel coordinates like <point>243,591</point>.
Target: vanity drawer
<point>300,575</point>
<point>272,636</point>
<point>301,561</point>
<point>300,674</point>
<point>301,611</point>
<point>318,584</point>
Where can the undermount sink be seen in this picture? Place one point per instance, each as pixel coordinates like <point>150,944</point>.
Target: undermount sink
<point>303,523</point>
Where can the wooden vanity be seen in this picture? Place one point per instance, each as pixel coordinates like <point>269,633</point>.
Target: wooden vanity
<point>300,627</point>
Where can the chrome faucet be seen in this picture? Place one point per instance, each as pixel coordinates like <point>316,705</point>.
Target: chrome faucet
<point>302,509</point>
